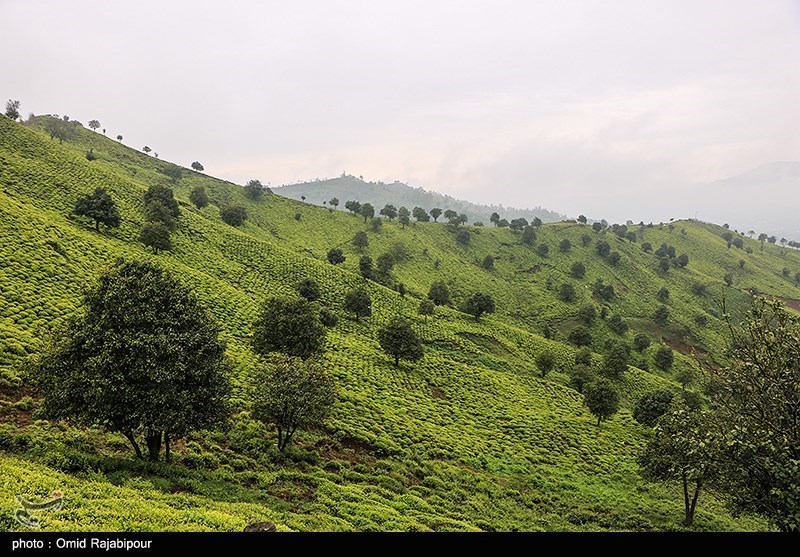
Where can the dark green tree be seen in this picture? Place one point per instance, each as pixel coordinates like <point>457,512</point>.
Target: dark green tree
<point>197,166</point>
<point>583,356</point>
<point>334,202</point>
<point>587,314</point>
<point>585,240</point>
<point>358,302</point>
<point>389,211</point>
<point>367,211</point>
<point>439,294</point>
<point>478,304</point>
<point>641,342</point>
<point>580,336</point>
<point>427,307</point>
<point>567,293</point>
<point>603,248</point>
<point>309,289</point>
<point>615,360</point>
<point>494,218</point>
<point>463,237</point>
<point>602,399</point>
<point>403,217</point>
<point>528,235</point>
<point>199,197</point>
<point>617,324</point>
<point>565,245</point>
<point>420,214</point>
<point>580,376</point>
<point>12,109</point>
<point>663,358</point>
<point>682,448</point>
<point>661,316</point>
<point>290,326</point>
<point>156,236</point>
<point>173,172</point>
<point>545,361</point>
<point>254,189</point>
<point>488,263</point>
<point>234,215</point>
<point>663,295</point>
<point>683,260</point>
<point>142,357</point>
<point>582,219</point>
<point>578,270</point>
<point>365,266</point>
<point>614,257</point>
<point>400,341</point>
<point>651,406</point>
<point>360,240</point>
<point>100,207</point>
<point>385,263</point>
<point>543,250</point>
<point>335,256</point>
<point>291,394</point>
<point>353,206</point>
<point>435,213</point>
<point>157,194</point>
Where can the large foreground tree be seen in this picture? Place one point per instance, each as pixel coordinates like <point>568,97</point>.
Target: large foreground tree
<point>143,357</point>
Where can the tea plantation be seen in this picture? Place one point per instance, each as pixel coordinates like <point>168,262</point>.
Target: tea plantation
<point>471,437</point>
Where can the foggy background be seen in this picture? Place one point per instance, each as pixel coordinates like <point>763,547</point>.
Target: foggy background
<point>616,109</point>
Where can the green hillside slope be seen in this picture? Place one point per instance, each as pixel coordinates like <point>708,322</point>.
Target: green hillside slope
<point>347,187</point>
<point>471,437</point>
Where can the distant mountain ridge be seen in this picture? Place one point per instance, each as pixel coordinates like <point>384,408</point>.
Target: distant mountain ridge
<point>347,187</point>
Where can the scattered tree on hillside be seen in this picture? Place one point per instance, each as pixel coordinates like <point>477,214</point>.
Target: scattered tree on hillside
<point>439,294</point>
<point>614,257</point>
<point>651,406</point>
<point>199,197</point>
<point>494,218</point>
<point>427,307</point>
<point>389,211</point>
<point>567,293</point>
<point>580,376</point>
<point>376,224</point>
<point>335,256</point>
<point>164,196</point>
<point>234,215</point>
<point>353,206</point>
<point>582,219</point>
<point>290,326</point>
<point>661,315</point>
<point>367,211</point>
<point>172,172</point>
<point>682,260</point>
<point>254,189</point>
<point>403,216</point>
<point>463,237</point>
<point>146,149</point>
<point>142,357</point>
<point>358,302</point>
<point>583,356</point>
<point>580,336</point>
<point>156,236</point>
<point>309,289</point>
<point>587,314</point>
<point>615,360</point>
<point>682,448</point>
<point>565,245</point>
<point>421,215</point>
<point>602,399</point>
<point>545,361</point>
<point>537,222</point>
<point>450,215</point>
<point>435,213</point>
<point>93,125</point>
<point>603,248</point>
<point>503,223</point>
<point>728,278</point>
<point>197,166</point>
<point>663,294</point>
<point>478,304</point>
<point>119,138</point>
<point>518,224</point>
<point>100,207</point>
<point>641,342</point>
<point>663,358</point>
<point>360,240</point>
<point>585,240</point>
<point>528,235</point>
<point>543,250</point>
<point>12,109</point>
<point>488,263</point>
<point>365,267</point>
<point>385,263</point>
<point>400,341</point>
<point>334,202</point>
<point>578,270</point>
<point>291,393</point>
<point>603,291</point>
<point>617,324</point>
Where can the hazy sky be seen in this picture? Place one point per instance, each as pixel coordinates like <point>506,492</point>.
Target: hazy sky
<point>579,106</point>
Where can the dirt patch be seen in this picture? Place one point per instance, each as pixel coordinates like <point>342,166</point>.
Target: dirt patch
<point>490,344</point>
<point>791,303</point>
<point>348,449</point>
<point>680,346</point>
<point>9,413</point>
<point>531,270</point>
<point>292,491</point>
<point>436,392</point>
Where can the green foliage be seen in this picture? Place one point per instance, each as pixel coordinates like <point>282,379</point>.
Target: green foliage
<point>199,197</point>
<point>578,270</point>
<point>564,246</point>
<point>254,189</point>
<point>545,362</point>
<point>602,399</point>
<point>641,342</point>
<point>399,340</point>
<point>602,248</point>
<point>156,236</point>
<point>336,256</point>
<point>651,406</point>
<point>585,240</point>
<point>463,237</point>
<point>160,200</point>
<point>196,166</point>
<point>99,369</point>
<point>234,215</point>
<point>290,326</point>
<point>543,250</point>
<point>580,376</point>
<point>365,266</point>
<point>647,247</point>
<point>615,360</point>
<point>439,293</point>
<point>358,302</point>
<point>385,263</point>
<point>389,211</point>
<point>367,211</point>
<point>309,289</point>
<point>12,109</point>
<point>528,235</point>
<point>100,207</point>
<point>603,291</point>
<point>587,314</point>
<point>488,263</point>
<point>580,336</point>
<point>420,214</point>
<point>478,304</point>
<point>583,356</point>
<point>682,449</point>
<point>426,307</point>
<point>617,324</point>
<point>663,295</point>
<point>360,240</point>
<point>661,316</point>
<point>291,393</point>
<point>664,358</point>
<point>172,172</point>
<point>614,257</point>
<point>567,293</point>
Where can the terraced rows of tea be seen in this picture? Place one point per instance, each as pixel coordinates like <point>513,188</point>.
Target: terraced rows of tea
<point>470,437</point>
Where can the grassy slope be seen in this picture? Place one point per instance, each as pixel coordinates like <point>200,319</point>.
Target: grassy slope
<point>469,438</point>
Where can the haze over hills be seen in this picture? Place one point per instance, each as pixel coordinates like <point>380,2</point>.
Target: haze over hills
<point>347,187</point>
<point>480,434</point>
<point>764,199</point>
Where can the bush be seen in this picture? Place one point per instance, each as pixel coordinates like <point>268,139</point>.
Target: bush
<point>309,289</point>
<point>580,336</point>
<point>663,294</point>
<point>234,215</point>
<point>488,263</point>
<point>586,240</point>
<point>663,358</point>
<point>603,291</point>
<point>478,304</point>
<point>358,302</point>
<point>651,406</point>
<point>583,356</point>
<point>578,270</point>
<point>641,342</point>
<point>427,307</point>
<point>614,258</point>
<point>587,314</point>
<point>463,237</point>
<point>335,256</point>
<point>617,324</point>
<point>439,294</point>
<point>615,360</point>
<point>328,318</point>
<point>199,197</point>
<point>565,245</point>
<point>567,293</point>
<point>603,248</point>
<point>661,315</point>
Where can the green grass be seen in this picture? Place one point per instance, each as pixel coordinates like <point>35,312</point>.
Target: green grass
<point>469,438</point>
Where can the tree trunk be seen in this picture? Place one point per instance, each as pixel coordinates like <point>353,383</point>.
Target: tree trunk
<point>690,515</point>
<point>281,443</point>
<point>397,361</point>
<point>153,444</point>
<point>97,225</point>
<point>598,421</point>
<point>129,436</point>
<point>686,504</point>
<point>167,453</point>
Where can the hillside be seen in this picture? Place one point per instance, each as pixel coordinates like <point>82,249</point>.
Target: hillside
<point>469,438</point>
<point>348,187</point>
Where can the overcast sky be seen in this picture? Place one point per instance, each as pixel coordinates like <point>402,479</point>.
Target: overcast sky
<point>579,106</point>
